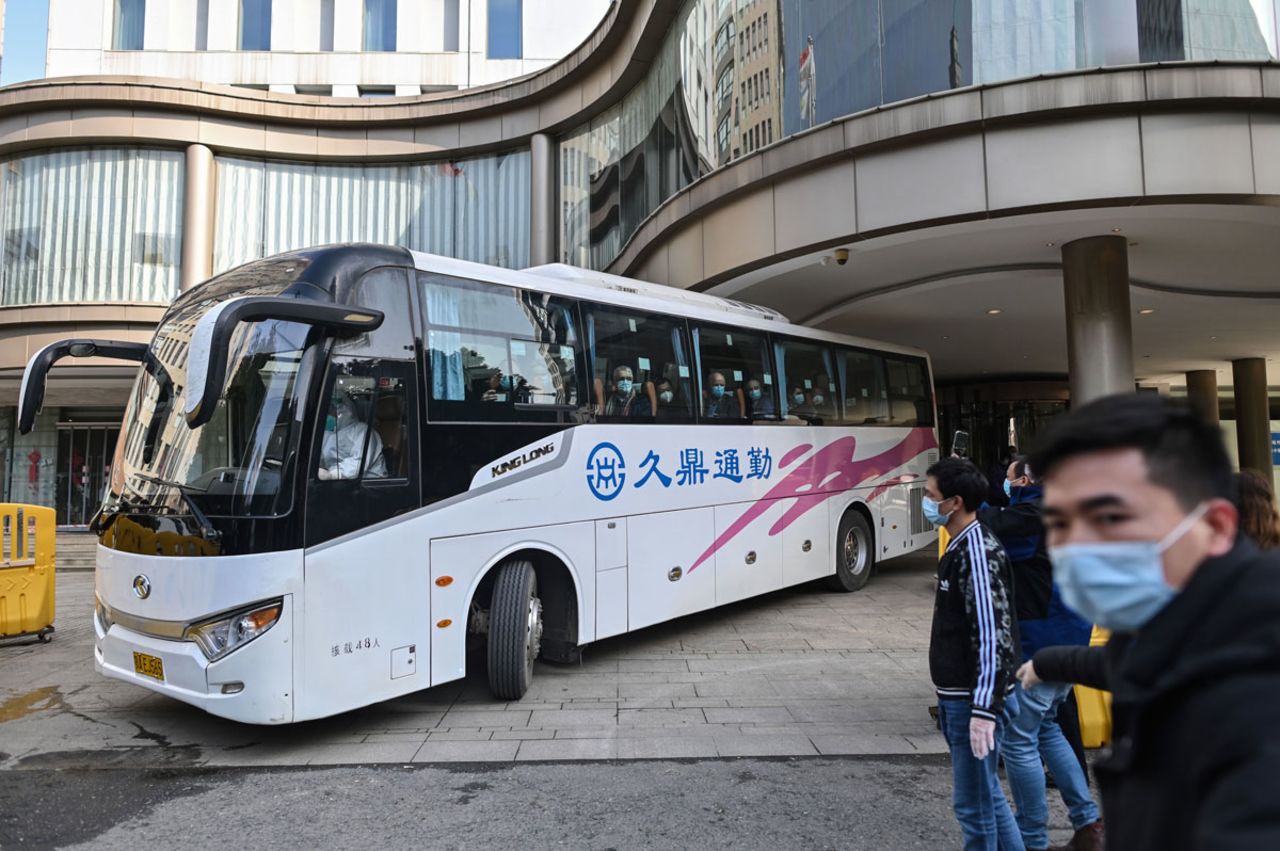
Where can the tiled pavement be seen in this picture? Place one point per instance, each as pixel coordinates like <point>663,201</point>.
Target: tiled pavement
<point>799,672</point>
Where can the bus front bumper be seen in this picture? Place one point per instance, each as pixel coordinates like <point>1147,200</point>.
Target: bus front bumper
<point>252,684</point>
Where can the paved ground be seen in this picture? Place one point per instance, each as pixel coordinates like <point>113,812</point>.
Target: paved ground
<point>795,673</point>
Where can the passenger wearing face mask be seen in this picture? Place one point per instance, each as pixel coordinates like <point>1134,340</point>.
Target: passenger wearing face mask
<point>721,403</point>
<point>822,399</point>
<point>1143,538</point>
<point>1034,733</point>
<point>343,444</point>
<point>626,400</point>
<point>759,403</point>
<point>799,404</point>
<point>667,396</point>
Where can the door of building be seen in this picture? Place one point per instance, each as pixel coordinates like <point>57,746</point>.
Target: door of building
<point>85,450</point>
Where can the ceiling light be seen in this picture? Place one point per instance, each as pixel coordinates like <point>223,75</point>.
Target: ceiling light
<point>1146,311</point>
<point>945,337</point>
<point>1115,230</point>
<point>994,311</point>
<point>1050,244</point>
<point>1213,339</point>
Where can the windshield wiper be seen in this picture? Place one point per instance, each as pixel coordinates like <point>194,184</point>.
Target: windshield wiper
<point>208,531</point>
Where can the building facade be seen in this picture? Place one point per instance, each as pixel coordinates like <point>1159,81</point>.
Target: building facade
<point>335,48</point>
<point>954,148</point>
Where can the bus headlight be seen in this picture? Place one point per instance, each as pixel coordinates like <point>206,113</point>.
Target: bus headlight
<point>220,636</point>
<point>104,614</point>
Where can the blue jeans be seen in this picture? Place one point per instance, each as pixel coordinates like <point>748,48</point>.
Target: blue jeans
<point>1033,735</point>
<point>979,802</point>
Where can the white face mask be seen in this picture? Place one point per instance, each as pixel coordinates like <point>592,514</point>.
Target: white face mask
<point>666,395</point>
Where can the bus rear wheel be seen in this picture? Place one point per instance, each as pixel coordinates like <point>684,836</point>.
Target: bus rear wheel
<point>515,629</point>
<point>855,553</point>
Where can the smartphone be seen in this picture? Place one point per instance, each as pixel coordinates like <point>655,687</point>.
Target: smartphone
<point>960,444</point>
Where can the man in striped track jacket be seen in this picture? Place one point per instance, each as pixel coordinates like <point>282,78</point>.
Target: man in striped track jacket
<point>972,653</point>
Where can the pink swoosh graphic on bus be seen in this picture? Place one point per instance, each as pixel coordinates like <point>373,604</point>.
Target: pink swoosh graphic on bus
<point>826,473</point>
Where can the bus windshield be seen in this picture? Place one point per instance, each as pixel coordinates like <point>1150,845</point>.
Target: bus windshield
<point>241,461</point>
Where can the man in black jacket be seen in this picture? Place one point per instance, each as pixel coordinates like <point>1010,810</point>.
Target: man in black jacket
<point>1142,534</point>
<point>972,653</point>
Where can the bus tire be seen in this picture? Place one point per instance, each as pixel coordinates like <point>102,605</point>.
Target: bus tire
<point>515,629</point>
<point>855,553</point>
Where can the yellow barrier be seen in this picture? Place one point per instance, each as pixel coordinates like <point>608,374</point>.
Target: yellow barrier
<point>1094,705</point>
<point>27,569</point>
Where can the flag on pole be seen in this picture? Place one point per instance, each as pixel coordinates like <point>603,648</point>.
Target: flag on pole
<point>808,85</point>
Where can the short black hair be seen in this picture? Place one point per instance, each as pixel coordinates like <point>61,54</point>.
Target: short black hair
<point>1183,451</point>
<point>960,477</point>
<point>1022,467</point>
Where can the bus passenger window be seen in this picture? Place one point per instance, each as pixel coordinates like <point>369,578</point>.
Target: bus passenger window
<point>805,370</point>
<point>910,403</point>
<point>866,401</point>
<point>737,381</point>
<point>641,370</point>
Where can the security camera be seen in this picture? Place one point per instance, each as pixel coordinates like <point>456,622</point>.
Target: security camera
<point>842,256</point>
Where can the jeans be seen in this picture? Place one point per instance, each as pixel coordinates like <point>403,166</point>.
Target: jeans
<point>979,802</point>
<point>1035,734</point>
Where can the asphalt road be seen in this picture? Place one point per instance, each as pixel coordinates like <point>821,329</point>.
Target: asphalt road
<point>899,802</point>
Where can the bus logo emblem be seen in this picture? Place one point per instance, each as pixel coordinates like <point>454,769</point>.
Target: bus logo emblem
<point>606,471</point>
<point>142,586</point>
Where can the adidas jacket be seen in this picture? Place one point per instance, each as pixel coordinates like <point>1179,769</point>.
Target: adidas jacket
<point>973,647</point>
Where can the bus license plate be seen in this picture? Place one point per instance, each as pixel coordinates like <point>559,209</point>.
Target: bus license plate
<point>149,666</point>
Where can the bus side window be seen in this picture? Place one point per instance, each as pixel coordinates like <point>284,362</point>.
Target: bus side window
<point>384,289</point>
<point>865,397</point>
<point>640,366</point>
<point>910,403</point>
<point>738,362</point>
<point>809,392</point>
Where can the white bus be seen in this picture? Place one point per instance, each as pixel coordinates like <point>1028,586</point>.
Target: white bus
<point>343,467</point>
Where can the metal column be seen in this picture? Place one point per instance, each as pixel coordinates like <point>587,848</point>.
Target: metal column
<point>1202,393</point>
<point>197,217</point>
<point>1095,277</point>
<point>1253,419</point>
<point>544,222</point>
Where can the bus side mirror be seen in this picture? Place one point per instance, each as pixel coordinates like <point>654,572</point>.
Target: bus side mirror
<point>31,395</point>
<point>211,339</point>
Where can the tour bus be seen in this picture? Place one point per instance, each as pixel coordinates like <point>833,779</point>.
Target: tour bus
<point>342,468</point>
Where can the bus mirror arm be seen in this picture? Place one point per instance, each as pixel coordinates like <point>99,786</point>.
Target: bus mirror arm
<point>207,366</point>
<point>31,396</point>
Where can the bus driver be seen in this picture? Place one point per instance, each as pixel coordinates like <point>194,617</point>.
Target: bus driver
<point>343,443</point>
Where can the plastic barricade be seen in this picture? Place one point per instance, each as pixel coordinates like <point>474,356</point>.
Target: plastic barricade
<point>1094,705</point>
<point>27,582</point>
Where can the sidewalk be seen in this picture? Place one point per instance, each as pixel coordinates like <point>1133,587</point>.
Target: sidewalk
<point>799,672</point>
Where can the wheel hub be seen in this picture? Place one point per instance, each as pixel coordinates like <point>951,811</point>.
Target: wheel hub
<point>534,631</point>
<point>854,552</point>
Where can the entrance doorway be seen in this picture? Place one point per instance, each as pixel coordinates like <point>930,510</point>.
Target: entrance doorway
<point>85,450</point>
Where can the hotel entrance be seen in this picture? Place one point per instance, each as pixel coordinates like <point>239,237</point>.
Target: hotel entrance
<point>85,450</point>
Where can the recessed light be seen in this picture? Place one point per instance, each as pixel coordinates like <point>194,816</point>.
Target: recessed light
<point>994,311</point>
<point>1146,311</point>
<point>1050,244</point>
<point>1213,339</point>
<point>1115,230</point>
<point>945,337</point>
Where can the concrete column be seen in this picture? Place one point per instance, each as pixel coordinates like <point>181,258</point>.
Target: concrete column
<point>1253,419</point>
<point>544,222</point>
<point>197,217</point>
<point>1202,393</point>
<point>1095,277</point>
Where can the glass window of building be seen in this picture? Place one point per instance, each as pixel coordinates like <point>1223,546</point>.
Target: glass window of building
<point>506,30</point>
<point>380,25</point>
<point>130,15</point>
<point>255,24</point>
<point>326,25</point>
<point>202,24</point>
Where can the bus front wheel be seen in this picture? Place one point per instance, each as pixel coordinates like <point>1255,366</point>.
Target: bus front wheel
<point>855,553</point>
<point>515,629</point>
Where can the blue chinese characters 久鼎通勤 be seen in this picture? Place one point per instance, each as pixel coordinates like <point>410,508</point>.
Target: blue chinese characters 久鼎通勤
<point>606,468</point>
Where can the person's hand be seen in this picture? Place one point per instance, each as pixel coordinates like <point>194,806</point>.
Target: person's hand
<point>982,737</point>
<point>1027,675</point>
<point>323,473</point>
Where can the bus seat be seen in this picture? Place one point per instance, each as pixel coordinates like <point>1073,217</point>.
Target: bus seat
<point>903,412</point>
<point>388,422</point>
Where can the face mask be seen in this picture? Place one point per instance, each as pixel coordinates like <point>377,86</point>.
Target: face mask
<point>817,398</point>
<point>1118,585</point>
<point>1008,488</point>
<point>624,387</point>
<point>931,512</point>
<point>717,391</point>
<point>798,398</point>
<point>666,395</point>
<point>756,394</point>
<point>505,382</point>
<point>331,423</point>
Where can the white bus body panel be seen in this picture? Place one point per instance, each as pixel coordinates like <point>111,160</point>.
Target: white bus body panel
<point>184,590</point>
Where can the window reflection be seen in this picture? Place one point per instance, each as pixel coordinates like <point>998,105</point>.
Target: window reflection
<point>734,76</point>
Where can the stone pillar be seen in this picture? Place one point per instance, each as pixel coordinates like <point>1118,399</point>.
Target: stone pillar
<point>1253,419</point>
<point>1202,393</point>
<point>197,217</point>
<point>1095,276</point>
<point>544,222</point>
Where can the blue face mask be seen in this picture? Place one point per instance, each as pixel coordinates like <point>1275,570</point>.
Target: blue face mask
<point>755,394</point>
<point>931,512</point>
<point>1008,488</point>
<point>331,423</point>
<point>1118,585</point>
<point>624,386</point>
<point>717,390</point>
<point>798,398</point>
<point>818,398</point>
<point>505,382</point>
